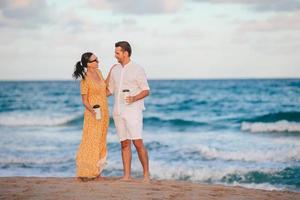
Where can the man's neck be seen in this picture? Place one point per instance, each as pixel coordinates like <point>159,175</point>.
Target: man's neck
<point>125,62</point>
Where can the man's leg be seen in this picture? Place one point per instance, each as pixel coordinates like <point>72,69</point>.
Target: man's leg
<point>126,157</point>
<point>143,156</point>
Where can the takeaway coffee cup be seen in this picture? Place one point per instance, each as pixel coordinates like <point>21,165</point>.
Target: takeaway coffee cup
<point>97,109</point>
<point>126,93</point>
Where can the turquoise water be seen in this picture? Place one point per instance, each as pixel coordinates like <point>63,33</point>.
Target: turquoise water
<point>233,132</point>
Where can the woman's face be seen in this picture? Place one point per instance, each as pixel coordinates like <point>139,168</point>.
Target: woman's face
<point>93,62</point>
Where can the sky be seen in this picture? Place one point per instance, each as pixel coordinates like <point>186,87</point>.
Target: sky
<point>171,39</point>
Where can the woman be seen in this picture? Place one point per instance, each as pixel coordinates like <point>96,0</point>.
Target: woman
<point>92,152</point>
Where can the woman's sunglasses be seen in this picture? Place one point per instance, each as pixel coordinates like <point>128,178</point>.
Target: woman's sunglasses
<point>96,60</point>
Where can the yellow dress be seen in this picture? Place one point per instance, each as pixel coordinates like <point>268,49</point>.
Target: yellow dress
<point>92,153</point>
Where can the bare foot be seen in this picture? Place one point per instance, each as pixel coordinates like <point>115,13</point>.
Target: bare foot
<point>125,178</point>
<point>78,179</point>
<point>146,179</point>
<point>81,179</point>
<point>99,178</point>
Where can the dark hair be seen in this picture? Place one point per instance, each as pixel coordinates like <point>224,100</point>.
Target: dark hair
<point>125,46</point>
<point>80,65</point>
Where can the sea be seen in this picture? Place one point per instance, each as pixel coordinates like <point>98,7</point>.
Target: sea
<point>236,132</point>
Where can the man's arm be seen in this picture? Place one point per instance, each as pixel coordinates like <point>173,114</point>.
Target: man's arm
<point>143,85</point>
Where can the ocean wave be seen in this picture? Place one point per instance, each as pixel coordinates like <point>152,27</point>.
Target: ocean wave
<point>34,161</point>
<point>279,126</point>
<point>273,178</point>
<point>279,116</point>
<point>31,119</point>
<point>22,120</point>
<point>203,173</point>
<point>260,186</point>
<point>250,155</point>
<point>286,176</point>
<point>172,122</point>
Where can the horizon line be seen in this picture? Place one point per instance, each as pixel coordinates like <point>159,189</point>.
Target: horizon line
<point>167,79</point>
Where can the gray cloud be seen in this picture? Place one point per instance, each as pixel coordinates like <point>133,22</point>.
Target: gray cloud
<point>25,14</point>
<point>261,5</point>
<point>276,23</point>
<point>286,5</point>
<point>139,7</point>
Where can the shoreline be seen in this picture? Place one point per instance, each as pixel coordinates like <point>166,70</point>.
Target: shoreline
<point>112,188</point>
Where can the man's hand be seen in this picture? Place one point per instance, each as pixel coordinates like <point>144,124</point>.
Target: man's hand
<point>130,99</point>
<point>141,95</point>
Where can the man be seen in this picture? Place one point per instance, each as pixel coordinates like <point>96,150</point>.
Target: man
<point>128,112</point>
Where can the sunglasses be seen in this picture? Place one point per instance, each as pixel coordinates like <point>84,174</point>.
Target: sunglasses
<point>91,61</point>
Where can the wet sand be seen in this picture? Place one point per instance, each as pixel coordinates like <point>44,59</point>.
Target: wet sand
<point>113,188</point>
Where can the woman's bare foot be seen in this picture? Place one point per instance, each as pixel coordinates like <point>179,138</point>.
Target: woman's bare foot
<point>82,179</point>
<point>99,178</point>
<point>78,179</point>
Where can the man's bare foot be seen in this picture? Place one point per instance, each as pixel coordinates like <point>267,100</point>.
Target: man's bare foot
<point>126,178</point>
<point>146,179</point>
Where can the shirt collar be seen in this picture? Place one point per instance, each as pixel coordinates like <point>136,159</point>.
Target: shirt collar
<point>128,64</point>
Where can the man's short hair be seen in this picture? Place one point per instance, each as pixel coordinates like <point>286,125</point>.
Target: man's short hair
<point>125,46</point>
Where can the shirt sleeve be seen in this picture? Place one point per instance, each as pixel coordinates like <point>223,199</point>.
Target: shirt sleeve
<point>83,87</point>
<point>142,80</point>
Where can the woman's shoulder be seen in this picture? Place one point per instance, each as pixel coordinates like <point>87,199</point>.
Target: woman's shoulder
<point>84,79</point>
<point>87,76</point>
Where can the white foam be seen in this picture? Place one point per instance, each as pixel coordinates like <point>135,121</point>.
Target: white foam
<point>28,148</point>
<point>210,174</point>
<point>261,186</point>
<point>19,160</point>
<point>167,171</point>
<point>279,126</point>
<point>163,170</point>
<point>274,154</point>
<point>34,119</point>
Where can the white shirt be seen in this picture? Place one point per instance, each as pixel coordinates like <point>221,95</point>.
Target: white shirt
<point>132,77</point>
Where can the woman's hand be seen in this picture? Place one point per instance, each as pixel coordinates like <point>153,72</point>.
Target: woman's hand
<point>94,113</point>
<point>108,76</point>
<point>108,93</point>
<point>87,104</point>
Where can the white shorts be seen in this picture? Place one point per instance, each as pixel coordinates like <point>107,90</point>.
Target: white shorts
<point>129,126</point>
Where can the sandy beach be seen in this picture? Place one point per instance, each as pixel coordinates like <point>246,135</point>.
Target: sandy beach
<point>112,188</point>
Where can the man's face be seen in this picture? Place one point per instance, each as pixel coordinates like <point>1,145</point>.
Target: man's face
<point>119,54</point>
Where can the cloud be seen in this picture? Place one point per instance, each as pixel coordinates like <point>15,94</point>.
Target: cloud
<point>277,23</point>
<point>188,34</point>
<point>261,5</point>
<point>25,13</point>
<point>138,7</point>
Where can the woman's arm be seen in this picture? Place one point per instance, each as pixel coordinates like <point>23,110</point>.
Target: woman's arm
<point>108,76</point>
<point>108,93</point>
<point>86,104</point>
